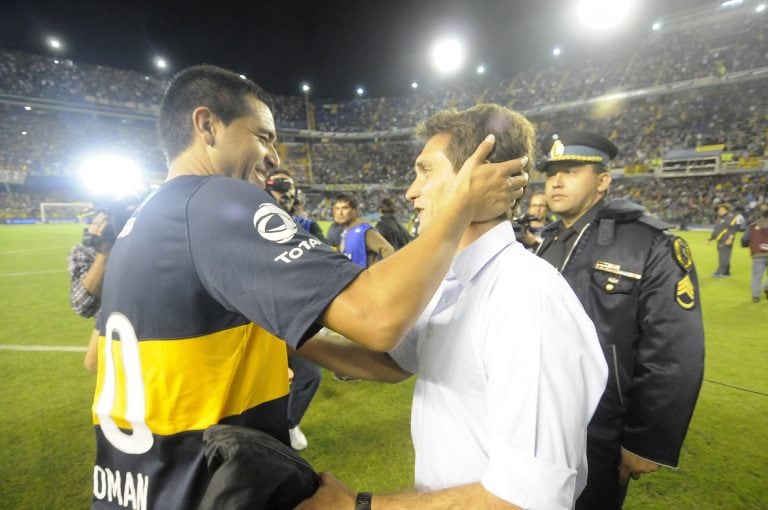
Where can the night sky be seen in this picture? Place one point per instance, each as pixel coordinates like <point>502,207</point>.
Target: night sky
<point>336,45</point>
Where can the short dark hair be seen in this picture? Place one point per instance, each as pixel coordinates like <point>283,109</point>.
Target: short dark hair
<point>387,206</point>
<point>515,135</point>
<point>224,92</point>
<point>343,197</point>
<point>280,171</point>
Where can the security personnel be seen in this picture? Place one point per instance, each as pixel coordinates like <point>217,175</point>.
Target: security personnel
<point>724,233</point>
<point>639,286</point>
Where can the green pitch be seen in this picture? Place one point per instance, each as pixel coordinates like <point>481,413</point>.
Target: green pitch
<point>358,430</point>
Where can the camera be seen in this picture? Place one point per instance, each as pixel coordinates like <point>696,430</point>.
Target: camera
<point>279,184</point>
<point>117,213</point>
<point>524,221</point>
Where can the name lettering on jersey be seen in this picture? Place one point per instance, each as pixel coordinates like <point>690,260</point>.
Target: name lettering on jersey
<point>274,224</point>
<point>127,228</point>
<point>128,490</point>
<point>289,256</point>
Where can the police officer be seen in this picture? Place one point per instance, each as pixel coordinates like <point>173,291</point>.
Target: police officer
<point>639,286</point>
<point>724,233</point>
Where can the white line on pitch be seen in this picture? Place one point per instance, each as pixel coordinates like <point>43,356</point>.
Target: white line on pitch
<point>33,272</point>
<point>42,348</point>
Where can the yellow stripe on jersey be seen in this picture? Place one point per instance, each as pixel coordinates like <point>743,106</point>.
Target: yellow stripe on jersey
<point>193,383</point>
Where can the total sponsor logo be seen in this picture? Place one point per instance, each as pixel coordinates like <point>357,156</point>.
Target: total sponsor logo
<point>274,224</point>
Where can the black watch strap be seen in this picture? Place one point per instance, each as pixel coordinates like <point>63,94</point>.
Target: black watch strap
<point>363,501</point>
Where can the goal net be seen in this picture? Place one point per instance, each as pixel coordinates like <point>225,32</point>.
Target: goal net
<point>60,212</point>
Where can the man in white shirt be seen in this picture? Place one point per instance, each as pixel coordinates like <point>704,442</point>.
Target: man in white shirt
<point>509,366</point>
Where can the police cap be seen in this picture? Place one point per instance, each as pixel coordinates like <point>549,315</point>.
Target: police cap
<point>576,146</point>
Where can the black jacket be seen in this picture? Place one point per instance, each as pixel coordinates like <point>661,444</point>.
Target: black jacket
<point>639,286</point>
<point>393,231</point>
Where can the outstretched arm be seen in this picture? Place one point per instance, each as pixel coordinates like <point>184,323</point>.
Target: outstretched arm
<point>341,355</point>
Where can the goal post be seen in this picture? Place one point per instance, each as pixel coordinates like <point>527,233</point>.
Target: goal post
<point>64,212</point>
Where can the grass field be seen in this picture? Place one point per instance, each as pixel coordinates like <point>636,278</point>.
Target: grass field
<point>358,430</point>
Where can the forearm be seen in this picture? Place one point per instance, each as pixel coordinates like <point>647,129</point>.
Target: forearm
<point>376,243</point>
<point>466,496</point>
<point>94,278</point>
<point>381,305</point>
<point>341,355</point>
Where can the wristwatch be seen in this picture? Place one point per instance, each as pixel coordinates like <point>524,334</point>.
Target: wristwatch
<point>363,501</point>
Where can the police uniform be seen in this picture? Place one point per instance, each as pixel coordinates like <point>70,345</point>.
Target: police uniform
<point>205,286</point>
<point>724,232</point>
<point>639,285</point>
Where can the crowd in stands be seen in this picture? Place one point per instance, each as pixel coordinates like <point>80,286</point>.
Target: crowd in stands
<point>49,141</point>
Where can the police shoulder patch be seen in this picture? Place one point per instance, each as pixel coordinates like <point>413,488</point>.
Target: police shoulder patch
<point>682,253</point>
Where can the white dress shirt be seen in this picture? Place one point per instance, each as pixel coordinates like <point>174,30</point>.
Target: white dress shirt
<point>510,371</point>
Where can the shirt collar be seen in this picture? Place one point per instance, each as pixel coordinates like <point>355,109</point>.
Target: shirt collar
<point>588,216</point>
<point>474,257</point>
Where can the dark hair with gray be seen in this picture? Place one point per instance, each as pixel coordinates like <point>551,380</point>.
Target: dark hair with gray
<point>515,136</point>
<point>223,92</point>
<point>387,206</point>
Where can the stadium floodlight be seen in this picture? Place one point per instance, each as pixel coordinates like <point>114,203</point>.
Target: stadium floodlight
<point>414,85</point>
<point>656,26</point>
<point>760,8</point>
<point>54,43</point>
<point>24,133</point>
<point>557,51</point>
<point>305,87</point>
<point>110,176</point>
<point>602,14</point>
<point>731,3</point>
<point>360,91</point>
<point>448,55</point>
<point>28,108</point>
<point>161,63</point>
<point>242,77</point>
<point>480,69</point>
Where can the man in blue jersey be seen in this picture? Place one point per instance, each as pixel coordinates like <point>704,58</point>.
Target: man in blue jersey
<point>210,279</point>
<point>360,241</point>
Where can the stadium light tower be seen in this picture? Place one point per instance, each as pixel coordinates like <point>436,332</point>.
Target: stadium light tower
<point>557,51</point>
<point>448,55</point>
<point>360,91</point>
<point>760,8</point>
<point>603,14</point>
<point>414,85</point>
<point>161,63</point>
<point>480,69</point>
<point>656,26</point>
<point>54,43</point>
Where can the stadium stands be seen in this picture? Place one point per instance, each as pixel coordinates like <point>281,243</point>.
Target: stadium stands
<point>699,82</point>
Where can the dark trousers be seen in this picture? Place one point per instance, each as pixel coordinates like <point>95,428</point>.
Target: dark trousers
<point>306,380</point>
<point>603,491</point>
<point>724,259</point>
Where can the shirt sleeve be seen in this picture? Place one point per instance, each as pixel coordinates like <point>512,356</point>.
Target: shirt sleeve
<point>83,302</point>
<point>543,386</point>
<point>405,353</point>
<point>252,258</point>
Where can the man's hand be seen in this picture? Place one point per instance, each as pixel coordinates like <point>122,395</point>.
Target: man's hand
<point>634,466</point>
<point>529,239</point>
<point>98,227</point>
<point>332,494</point>
<point>490,189</point>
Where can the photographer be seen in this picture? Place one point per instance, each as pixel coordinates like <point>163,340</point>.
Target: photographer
<point>87,263</point>
<point>283,189</point>
<point>531,224</point>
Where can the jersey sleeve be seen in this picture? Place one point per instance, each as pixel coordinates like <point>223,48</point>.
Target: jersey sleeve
<point>252,258</point>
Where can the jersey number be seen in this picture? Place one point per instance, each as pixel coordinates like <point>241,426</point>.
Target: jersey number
<point>141,439</point>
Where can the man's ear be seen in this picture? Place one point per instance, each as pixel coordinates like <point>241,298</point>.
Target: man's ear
<point>603,182</point>
<point>202,121</point>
